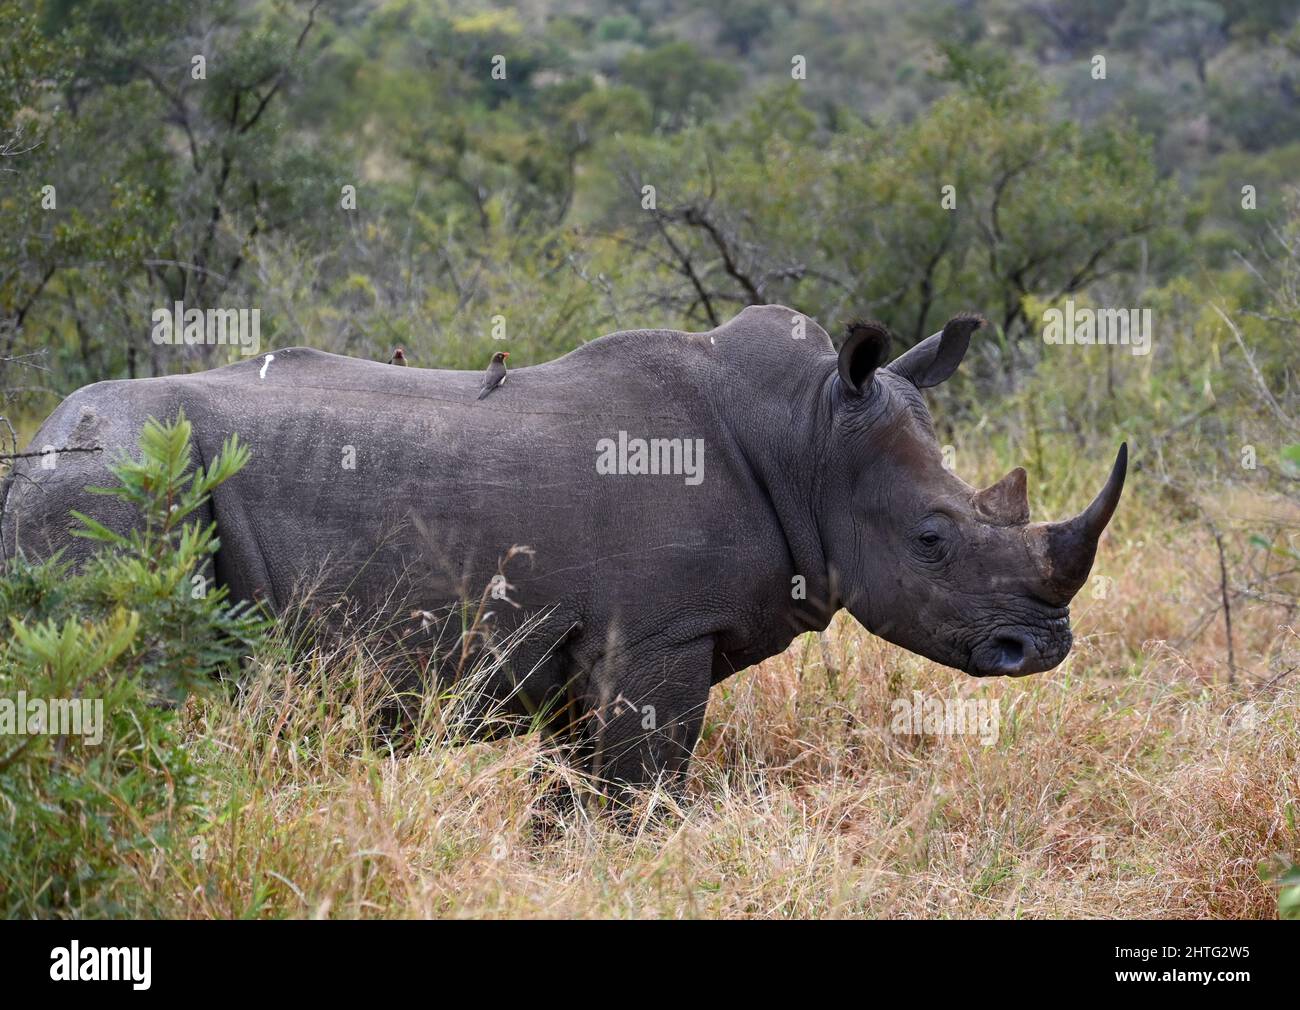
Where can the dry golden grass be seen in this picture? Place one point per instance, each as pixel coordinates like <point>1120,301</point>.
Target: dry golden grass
<point>1131,781</point>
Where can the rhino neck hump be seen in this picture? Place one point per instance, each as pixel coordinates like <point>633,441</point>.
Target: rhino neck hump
<point>775,401</point>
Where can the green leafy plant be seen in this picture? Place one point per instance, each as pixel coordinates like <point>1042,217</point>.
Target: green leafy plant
<point>124,639</point>
<point>1287,877</point>
<point>158,567</point>
<point>1288,899</point>
<point>1291,456</point>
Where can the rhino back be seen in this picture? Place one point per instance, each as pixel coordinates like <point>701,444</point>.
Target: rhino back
<point>377,476</point>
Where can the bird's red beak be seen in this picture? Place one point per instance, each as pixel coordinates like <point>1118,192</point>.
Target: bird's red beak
<point>505,354</point>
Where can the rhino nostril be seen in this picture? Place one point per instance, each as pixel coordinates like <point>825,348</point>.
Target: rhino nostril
<point>1010,653</point>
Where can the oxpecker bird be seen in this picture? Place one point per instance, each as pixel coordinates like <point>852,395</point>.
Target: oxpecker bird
<point>495,374</point>
<point>398,358</point>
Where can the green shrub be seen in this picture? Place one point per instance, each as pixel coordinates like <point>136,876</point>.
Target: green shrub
<point>1288,899</point>
<point>133,632</point>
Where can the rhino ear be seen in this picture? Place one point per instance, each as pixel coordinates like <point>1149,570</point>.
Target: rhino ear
<point>937,357</point>
<point>865,348</point>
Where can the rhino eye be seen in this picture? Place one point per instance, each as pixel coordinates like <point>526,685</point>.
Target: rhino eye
<point>929,545</point>
<point>931,540</point>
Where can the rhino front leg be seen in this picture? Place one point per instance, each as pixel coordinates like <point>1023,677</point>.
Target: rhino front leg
<point>644,716</point>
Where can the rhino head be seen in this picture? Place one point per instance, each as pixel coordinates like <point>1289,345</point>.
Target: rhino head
<point>921,558</point>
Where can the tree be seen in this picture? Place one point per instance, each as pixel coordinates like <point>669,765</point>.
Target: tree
<point>679,81</point>
<point>984,196</point>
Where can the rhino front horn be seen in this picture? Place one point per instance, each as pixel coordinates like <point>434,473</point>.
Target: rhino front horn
<point>1070,546</point>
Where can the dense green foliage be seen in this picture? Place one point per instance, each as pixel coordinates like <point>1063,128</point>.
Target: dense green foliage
<point>134,631</point>
<point>520,194</point>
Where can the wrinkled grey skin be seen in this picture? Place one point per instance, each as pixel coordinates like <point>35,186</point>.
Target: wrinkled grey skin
<point>816,465</point>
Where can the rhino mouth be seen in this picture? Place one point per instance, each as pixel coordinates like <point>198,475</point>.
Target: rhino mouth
<point>1017,651</point>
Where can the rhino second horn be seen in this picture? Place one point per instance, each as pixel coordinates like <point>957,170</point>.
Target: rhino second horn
<point>1068,548</point>
<point>1005,503</point>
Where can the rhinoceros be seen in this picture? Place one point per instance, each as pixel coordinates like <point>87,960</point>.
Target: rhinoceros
<point>691,502</point>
